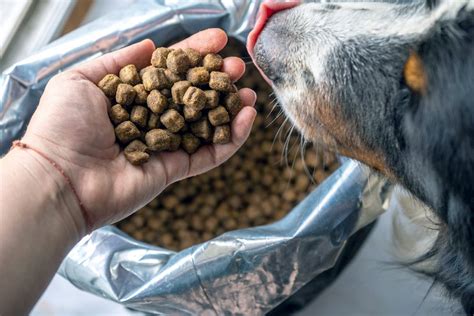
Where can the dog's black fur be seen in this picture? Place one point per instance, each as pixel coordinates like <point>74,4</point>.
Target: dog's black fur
<point>425,139</point>
<point>440,127</point>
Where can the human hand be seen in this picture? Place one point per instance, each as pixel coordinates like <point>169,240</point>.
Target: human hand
<point>72,127</point>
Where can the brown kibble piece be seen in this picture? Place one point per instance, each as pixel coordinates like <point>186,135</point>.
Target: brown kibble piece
<point>155,79</point>
<point>212,99</point>
<point>198,76</point>
<point>221,135</point>
<point>158,58</point>
<point>143,70</point>
<point>167,239</point>
<point>139,116</point>
<point>212,62</point>
<point>156,102</point>
<point>233,103</point>
<point>175,141</point>
<point>220,81</point>
<point>129,74</point>
<point>202,129</point>
<point>125,94</point>
<point>158,139</point>
<point>126,132</point>
<point>190,143</point>
<point>166,92</point>
<point>172,120</point>
<point>172,77</point>
<point>177,61</point>
<point>218,116</point>
<point>162,139</point>
<point>178,90</point>
<point>135,152</point>
<point>118,114</point>
<point>191,115</point>
<point>211,224</point>
<point>141,94</point>
<point>194,56</point>
<point>136,145</point>
<point>153,121</point>
<point>109,85</point>
<point>194,98</point>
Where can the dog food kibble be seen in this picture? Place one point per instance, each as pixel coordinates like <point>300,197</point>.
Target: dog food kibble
<point>153,121</point>
<point>126,132</point>
<point>178,61</point>
<point>175,141</point>
<point>155,79</point>
<point>139,116</point>
<point>141,94</point>
<point>218,116</point>
<point>109,85</point>
<point>221,135</point>
<point>190,143</point>
<point>233,103</point>
<point>202,129</point>
<point>158,139</point>
<point>172,77</point>
<point>180,101</point>
<point>178,90</point>
<point>129,74</point>
<point>191,114</point>
<point>212,99</point>
<point>212,62</point>
<point>166,92</point>
<point>252,188</point>
<point>194,98</point>
<point>118,114</point>
<point>158,58</point>
<point>172,120</point>
<point>198,76</point>
<point>194,56</point>
<point>220,81</point>
<point>135,152</point>
<point>125,94</point>
<point>156,102</point>
<point>143,70</point>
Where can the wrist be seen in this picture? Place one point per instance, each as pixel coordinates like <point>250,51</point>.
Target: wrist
<point>48,192</point>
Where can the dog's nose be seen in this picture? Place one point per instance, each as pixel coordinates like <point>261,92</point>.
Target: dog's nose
<point>267,9</point>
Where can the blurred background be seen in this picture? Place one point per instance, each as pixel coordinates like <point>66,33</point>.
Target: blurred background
<point>368,286</point>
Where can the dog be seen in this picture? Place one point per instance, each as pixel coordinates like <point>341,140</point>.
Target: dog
<point>390,85</point>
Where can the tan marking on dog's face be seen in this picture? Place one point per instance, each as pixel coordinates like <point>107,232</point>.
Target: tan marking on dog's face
<point>414,74</point>
<point>321,122</point>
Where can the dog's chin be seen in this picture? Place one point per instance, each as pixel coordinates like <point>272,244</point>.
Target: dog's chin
<point>303,119</point>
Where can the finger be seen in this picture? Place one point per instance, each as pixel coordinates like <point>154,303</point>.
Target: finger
<point>234,66</point>
<point>207,41</point>
<point>138,54</point>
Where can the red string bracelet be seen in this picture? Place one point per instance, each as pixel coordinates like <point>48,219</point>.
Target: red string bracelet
<point>19,144</point>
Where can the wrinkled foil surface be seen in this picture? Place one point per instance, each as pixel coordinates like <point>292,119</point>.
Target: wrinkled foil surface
<point>248,271</point>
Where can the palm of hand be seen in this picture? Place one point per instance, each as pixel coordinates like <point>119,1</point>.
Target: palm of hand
<point>72,126</point>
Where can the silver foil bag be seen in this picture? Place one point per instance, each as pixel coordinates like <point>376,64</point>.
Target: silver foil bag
<point>249,271</point>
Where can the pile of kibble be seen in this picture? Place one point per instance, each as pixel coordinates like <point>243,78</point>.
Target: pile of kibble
<point>255,187</point>
<point>182,100</point>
